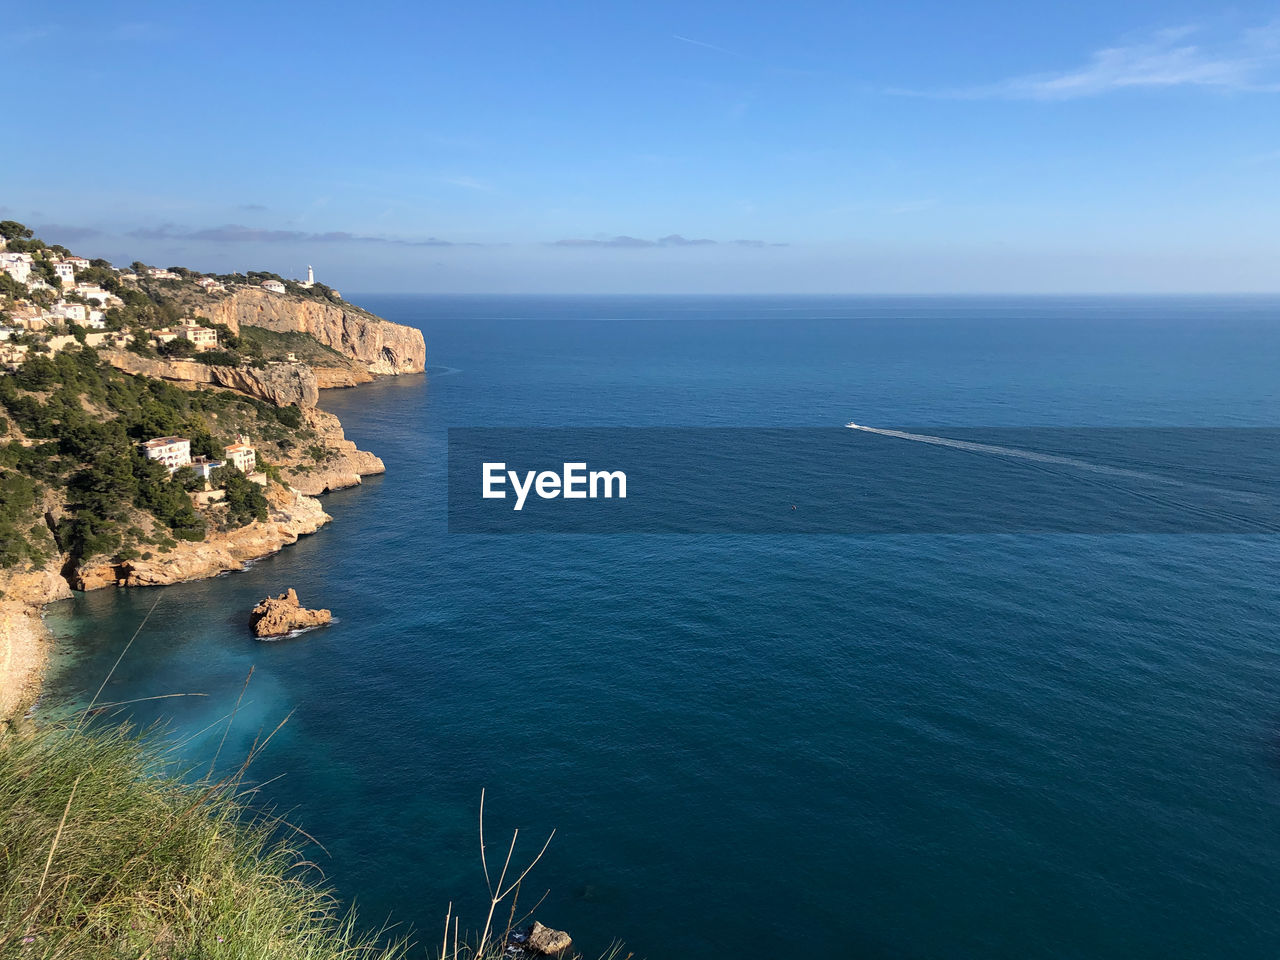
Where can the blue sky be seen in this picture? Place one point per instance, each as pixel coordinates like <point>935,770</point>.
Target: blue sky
<point>582,146</point>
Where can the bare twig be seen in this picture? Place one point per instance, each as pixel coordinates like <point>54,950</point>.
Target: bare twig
<point>498,894</point>
<point>57,836</point>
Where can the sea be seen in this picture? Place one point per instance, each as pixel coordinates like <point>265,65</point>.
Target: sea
<point>972,745</point>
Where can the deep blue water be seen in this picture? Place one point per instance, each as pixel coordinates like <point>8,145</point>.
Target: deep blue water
<point>881,746</point>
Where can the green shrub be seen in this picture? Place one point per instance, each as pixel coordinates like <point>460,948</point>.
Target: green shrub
<point>245,500</point>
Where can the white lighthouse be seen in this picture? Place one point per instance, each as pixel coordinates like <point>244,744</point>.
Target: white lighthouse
<point>311,277</point>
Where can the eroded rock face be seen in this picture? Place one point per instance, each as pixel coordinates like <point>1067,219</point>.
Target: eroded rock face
<point>276,616</point>
<point>35,585</point>
<point>291,516</point>
<point>330,377</point>
<point>544,940</point>
<point>277,383</point>
<point>383,347</point>
<point>342,467</point>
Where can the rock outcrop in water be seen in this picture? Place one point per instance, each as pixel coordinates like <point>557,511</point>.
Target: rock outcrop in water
<point>383,347</point>
<point>547,941</point>
<point>277,616</point>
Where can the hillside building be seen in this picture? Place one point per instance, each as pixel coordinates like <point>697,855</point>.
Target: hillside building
<point>173,452</point>
<point>204,467</point>
<point>202,337</point>
<point>16,265</point>
<point>70,312</point>
<point>242,456</point>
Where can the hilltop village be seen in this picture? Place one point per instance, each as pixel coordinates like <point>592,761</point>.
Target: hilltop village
<point>55,299</point>
<point>159,424</point>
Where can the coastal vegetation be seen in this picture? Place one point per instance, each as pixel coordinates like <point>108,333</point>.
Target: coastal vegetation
<point>72,426</point>
<point>106,849</point>
<point>107,853</point>
<point>100,360</point>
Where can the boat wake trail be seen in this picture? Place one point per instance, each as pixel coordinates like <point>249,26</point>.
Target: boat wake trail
<point>990,448</point>
<point>1193,499</point>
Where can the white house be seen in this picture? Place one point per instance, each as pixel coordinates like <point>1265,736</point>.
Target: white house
<point>71,312</point>
<point>202,337</point>
<point>78,263</point>
<point>16,265</point>
<point>242,455</point>
<point>91,291</point>
<point>97,320</point>
<point>158,274</point>
<point>173,452</point>
<point>275,286</point>
<point>66,273</point>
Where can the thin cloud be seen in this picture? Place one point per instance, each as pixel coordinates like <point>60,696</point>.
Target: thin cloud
<point>61,233</point>
<point>235,233</point>
<point>1248,63</point>
<point>704,44</point>
<point>252,207</point>
<point>672,240</point>
<point>467,183</point>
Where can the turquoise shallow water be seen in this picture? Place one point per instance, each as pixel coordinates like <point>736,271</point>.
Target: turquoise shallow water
<point>882,746</point>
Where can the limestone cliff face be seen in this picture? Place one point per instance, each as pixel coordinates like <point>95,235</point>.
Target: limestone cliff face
<point>291,516</point>
<point>277,383</point>
<point>383,347</point>
<point>330,377</point>
<point>343,466</point>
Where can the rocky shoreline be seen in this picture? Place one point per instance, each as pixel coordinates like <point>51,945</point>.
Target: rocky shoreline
<point>25,641</point>
<point>378,347</point>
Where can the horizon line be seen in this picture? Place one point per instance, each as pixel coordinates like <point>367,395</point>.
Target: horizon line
<point>835,293</point>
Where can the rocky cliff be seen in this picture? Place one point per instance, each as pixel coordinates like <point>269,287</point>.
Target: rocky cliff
<point>330,377</point>
<point>277,383</point>
<point>343,464</point>
<point>291,516</point>
<point>383,347</point>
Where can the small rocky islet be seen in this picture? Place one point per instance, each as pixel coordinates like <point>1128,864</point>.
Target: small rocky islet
<point>279,616</point>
